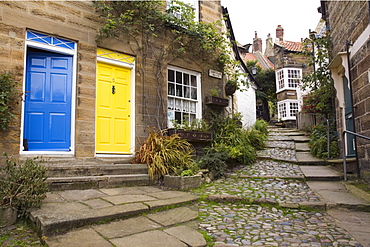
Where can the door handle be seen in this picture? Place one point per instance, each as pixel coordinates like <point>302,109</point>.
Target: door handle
<point>113,89</point>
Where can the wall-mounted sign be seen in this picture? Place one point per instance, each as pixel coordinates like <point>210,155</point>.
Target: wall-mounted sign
<point>215,74</point>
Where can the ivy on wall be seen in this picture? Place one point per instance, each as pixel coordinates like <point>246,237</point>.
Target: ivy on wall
<point>146,23</point>
<point>8,97</point>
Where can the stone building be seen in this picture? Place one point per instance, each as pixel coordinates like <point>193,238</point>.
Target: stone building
<point>290,66</point>
<point>87,102</point>
<point>349,31</point>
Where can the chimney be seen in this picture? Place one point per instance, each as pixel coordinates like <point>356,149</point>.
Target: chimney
<point>257,43</point>
<point>280,33</point>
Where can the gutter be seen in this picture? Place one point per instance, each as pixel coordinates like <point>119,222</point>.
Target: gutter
<point>235,47</point>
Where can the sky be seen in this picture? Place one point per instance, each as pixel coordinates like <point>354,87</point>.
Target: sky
<point>263,16</point>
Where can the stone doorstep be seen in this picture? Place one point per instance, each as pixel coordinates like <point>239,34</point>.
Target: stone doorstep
<point>52,223</point>
<point>84,182</point>
<point>95,170</point>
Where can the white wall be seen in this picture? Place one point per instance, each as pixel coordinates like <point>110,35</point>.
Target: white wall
<point>246,104</point>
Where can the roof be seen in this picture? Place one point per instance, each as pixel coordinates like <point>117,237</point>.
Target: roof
<point>262,60</point>
<point>291,45</point>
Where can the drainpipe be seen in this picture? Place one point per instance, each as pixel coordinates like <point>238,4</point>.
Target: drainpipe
<point>353,108</point>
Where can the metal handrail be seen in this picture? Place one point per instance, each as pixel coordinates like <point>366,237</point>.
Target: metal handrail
<point>344,152</point>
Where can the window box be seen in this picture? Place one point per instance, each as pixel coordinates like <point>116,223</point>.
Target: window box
<point>191,135</point>
<point>217,101</point>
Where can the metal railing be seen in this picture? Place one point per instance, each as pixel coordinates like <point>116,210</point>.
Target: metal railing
<point>344,152</point>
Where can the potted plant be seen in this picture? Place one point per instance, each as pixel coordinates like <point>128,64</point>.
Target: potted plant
<point>168,157</point>
<point>22,186</point>
<point>215,100</point>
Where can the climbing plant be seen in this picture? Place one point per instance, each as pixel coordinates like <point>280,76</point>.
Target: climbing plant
<point>8,98</point>
<point>167,32</point>
<point>321,96</point>
<point>320,100</point>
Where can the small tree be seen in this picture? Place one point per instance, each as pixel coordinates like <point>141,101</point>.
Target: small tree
<point>321,97</point>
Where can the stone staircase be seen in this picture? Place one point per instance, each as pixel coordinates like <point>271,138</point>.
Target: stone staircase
<point>296,144</point>
<point>65,174</point>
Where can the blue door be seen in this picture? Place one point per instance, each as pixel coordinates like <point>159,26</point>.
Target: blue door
<point>48,95</point>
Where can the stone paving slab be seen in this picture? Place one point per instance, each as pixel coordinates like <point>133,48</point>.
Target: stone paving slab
<point>356,223</point>
<point>81,238</point>
<point>302,146</point>
<point>188,235</point>
<point>126,227</point>
<point>149,239</point>
<point>68,209</point>
<point>300,138</point>
<point>320,173</point>
<point>306,158</point>
<point>174,216</point>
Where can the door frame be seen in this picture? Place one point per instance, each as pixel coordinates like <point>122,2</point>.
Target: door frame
<point>128,62</point>
<point>59,50</point>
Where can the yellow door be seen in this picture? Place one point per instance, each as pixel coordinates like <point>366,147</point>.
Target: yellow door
<point>112,109</point>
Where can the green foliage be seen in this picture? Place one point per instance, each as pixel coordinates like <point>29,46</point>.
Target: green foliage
<point>231,142</point>
<point>321,98</point>
<point>165,154</point>
<point>23,185</point>
<point>318,142</point>
<point>215,161</point>
<point>141,20</point>
<point>185,173</point>
<point>7,99</point>
<point>261,126</point>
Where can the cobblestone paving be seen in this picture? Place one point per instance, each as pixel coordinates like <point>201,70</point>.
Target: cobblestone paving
<point>265,224</point>
<point>254,225</point>
<point>270,168</point>
<point>278,153</point>
<point>280,144</point>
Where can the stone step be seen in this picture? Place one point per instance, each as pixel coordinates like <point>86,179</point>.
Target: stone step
<point>66,210</point>
<point>306,158</point>
<point>103,181</point>
<point>320,173</point>
<point>95,170</point>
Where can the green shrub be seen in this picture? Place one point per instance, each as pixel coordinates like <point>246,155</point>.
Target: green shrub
<point>318,142</point>
<point>7,99</point>
<point>23,185</point>
<point>165,154</point>
<point>215,161</point>
<point>262,126</point>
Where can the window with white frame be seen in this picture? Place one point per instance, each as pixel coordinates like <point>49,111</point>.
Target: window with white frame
<point>282,110</point>
<point>280,79</point>
<point>287,109</point>
<point>293,108</point>
<point>183,95</point>
<point>288,78</point>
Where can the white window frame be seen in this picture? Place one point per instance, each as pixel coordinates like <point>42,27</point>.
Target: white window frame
<point>288,108</point>
<point>171,107</point>
<point>284,78</point>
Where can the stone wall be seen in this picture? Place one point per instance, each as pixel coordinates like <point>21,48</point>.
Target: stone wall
<point>348,21</point>
<point>78,21</point>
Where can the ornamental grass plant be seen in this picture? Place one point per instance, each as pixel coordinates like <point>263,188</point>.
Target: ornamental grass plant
<point>165,154</point>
